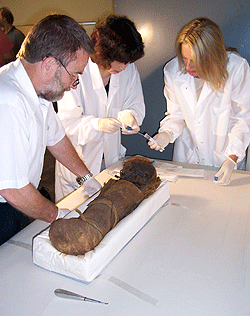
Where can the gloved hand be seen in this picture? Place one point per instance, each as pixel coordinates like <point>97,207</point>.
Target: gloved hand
<point>62,212</point>
<point>109,125</point>
<point>90,187</point>
<point>162,140</point>
<point>225,171</point>
<point>128,119</point>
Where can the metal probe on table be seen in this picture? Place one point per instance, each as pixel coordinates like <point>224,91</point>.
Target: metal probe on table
<point>67,294</point>
<point>145,135</point>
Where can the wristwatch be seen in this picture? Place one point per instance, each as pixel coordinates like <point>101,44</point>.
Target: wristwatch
<point>81,180</point>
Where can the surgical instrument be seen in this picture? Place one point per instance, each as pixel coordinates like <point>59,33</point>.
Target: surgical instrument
<point>67,294</point>
<point>145,135</point>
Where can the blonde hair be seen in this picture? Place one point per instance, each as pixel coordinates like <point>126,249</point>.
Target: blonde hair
<point>205,39</point>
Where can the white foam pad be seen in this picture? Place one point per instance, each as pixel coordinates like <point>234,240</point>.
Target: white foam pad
<point>87,267</point>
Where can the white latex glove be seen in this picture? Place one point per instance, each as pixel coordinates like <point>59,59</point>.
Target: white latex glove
<point>128,119</point>
<point>109,125</point>
<point>162,140</point>
<point>62,212</point>
<point>225,171</point>
<point>90,187</point>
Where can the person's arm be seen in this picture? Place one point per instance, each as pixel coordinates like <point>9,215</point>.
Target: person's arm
<point>239,134</point>
<point>66,154</point>
<point>132,112</point>
<point>239,125</point>
<point>174,119</point>
<point>233,157</point>
<point>171,126</point>
<point>29,201</point>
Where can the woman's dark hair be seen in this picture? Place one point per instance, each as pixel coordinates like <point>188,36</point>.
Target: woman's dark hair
<point>56,35</point>
<point>6,13</point>
<point>116,38</point>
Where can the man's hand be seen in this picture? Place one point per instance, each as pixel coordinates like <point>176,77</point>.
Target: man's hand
<point>62,212</point>
<point>90,187</point>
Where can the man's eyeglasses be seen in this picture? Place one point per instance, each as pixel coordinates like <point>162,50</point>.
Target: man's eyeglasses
<point>75,82</point>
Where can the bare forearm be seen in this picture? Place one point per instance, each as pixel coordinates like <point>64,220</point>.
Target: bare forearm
<point>234,158</point>
<point>66,154</point>
<point>29,201</point>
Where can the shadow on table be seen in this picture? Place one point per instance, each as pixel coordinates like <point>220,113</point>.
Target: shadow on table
<point>240,181</point>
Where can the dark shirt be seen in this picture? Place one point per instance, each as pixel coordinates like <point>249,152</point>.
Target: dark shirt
<point>107,87</point>
<point>16,37</point>
<point>5,46</point>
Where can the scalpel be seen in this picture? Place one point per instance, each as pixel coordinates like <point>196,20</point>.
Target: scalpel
<point>67,294</point>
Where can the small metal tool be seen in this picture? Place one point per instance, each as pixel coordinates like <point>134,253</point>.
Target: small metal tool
<point>70,295</point>
<point>145,135</point>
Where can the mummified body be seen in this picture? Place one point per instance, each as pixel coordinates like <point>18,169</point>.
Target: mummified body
<point>118,198</point>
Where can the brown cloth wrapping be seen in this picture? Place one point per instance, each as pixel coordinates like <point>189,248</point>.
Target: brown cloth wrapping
<point>118,198</point>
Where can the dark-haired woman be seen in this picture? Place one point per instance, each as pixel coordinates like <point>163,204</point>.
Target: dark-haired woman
<point>108,98</point>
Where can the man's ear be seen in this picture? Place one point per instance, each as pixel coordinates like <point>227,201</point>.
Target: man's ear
<point>49,66</point>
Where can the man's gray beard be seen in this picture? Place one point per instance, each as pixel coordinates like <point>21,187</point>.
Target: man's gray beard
<point>55,94</point>
<point>51,96</point>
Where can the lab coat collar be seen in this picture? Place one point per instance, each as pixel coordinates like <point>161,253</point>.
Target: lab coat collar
<point>98,83</point>
<point>205,92</point>
<point>93,69</point>
<point>25,85</point>
<point>187,86</point>
<point>189,91</point>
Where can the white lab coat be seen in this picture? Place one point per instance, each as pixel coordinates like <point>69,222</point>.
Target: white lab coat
<point>80,110</point>
<point>207,131</point>
<point>27,125</point>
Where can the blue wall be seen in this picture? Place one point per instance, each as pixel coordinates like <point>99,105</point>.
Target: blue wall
<point>237,34</point>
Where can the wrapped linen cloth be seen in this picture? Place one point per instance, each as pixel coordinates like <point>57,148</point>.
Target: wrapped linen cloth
<point>118,198</point>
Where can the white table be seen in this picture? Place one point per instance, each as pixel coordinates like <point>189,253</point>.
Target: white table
<point>191,259</point>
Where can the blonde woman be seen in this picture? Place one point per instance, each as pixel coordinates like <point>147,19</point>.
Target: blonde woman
<point>208,101</point>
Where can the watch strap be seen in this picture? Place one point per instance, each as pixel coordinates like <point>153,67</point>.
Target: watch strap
<point>81,180</point>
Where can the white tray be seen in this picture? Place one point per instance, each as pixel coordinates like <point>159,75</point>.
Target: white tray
<point>86,268</point>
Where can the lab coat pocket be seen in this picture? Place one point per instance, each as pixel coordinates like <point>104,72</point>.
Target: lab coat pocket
<point>184,149</point>
<point>220,117</point>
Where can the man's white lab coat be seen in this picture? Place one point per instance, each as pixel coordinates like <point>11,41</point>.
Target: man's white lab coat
<point>80,110</point>
<point>27,125</point>
<point>207,131</point>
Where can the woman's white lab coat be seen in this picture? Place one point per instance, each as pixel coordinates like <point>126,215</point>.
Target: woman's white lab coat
<point>80,110</point>
<point>207,131</point>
